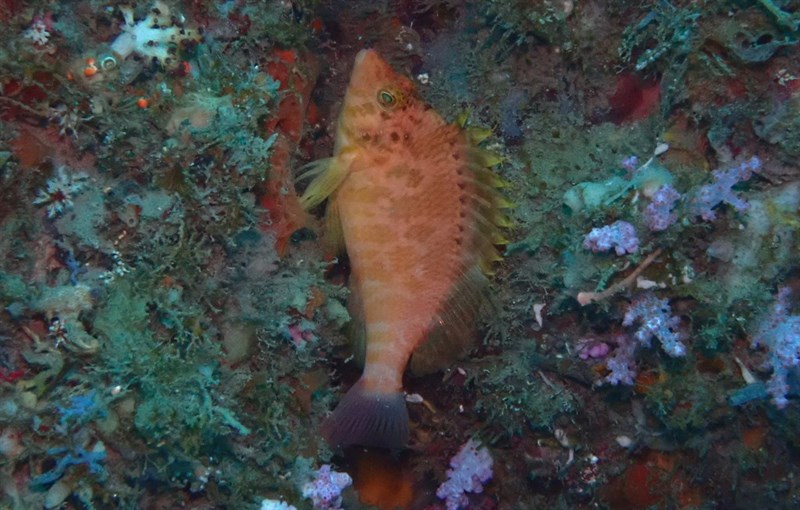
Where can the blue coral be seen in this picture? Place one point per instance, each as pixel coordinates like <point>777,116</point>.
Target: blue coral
<point>81,409</point>
<point>93,459</point>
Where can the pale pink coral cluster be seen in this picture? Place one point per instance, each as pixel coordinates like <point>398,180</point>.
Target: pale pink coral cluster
<point>471,467</point>
<point>619,236</point>
<point>325,490</point>
<point>658,214</point>
<point>653,317</point>
<point>780,333</point>
<point>618,354</point>
<point>721,190</point>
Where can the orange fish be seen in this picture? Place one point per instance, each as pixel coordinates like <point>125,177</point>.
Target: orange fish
<point>411,200</point>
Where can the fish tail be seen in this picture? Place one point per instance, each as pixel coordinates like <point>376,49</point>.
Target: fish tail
<point>368,418</point>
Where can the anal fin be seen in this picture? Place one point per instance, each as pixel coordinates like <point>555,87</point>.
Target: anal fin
<point>356,328</point>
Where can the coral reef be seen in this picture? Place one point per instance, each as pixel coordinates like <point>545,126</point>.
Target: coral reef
<point>174,327</point>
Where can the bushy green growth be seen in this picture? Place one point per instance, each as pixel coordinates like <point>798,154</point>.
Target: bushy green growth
<point>287,290</point>
<point>781,128</point>
<point>513,396</point>
<point>725,314</point>
<point>85,223</point>
<point>279,23</point>
<point>563,152</point>
<point>786,19</point>
<point>161,340</point>
<point>714,334</point>
<point>559,155</point>
<point>665,32</point>
<point>238,92</point>
<point>663,38</point>
<point>173,378</point>
<point>785,422</point>
<point>727,123</point>
<point>267,397</point>
<point>514,22</point>
<point>12,288</point>
<point>749,39</point>
<point>742,278</point>
<point>272,294</point>
<point>682,401</point>
<point>217,133</point>
<point>695,46</point>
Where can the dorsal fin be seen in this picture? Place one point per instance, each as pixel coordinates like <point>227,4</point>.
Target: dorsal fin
<point>452,332</point>
<point>487,208</point>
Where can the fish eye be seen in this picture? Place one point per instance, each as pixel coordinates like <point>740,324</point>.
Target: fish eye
<point>386,98</point>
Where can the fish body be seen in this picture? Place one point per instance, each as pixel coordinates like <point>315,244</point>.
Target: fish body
<point>412,203</point>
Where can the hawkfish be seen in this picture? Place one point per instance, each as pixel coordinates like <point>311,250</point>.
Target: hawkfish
<point>413,203</point>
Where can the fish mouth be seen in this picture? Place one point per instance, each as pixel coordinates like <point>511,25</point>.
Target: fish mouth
<point>362,67</point>
<point>361,56</point>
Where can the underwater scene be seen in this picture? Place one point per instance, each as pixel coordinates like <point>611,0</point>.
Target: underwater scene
<point>416,255</point>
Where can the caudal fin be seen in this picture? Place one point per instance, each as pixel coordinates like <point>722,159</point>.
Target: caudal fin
<point>368,418</point>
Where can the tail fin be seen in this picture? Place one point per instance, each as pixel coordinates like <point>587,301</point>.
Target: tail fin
<point>368,418</point>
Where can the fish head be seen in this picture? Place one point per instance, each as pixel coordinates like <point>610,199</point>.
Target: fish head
<point>376,97</point>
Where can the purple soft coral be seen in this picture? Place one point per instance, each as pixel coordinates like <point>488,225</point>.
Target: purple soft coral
<point>721,190</point>
<point>471,468</point>
<point>325,490</point>
<point>620,235</point>
<point>653,314</point>
<point>780,333</point>
<point>617,352</point>
<point>622,365</point>
<point>658,214</point>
